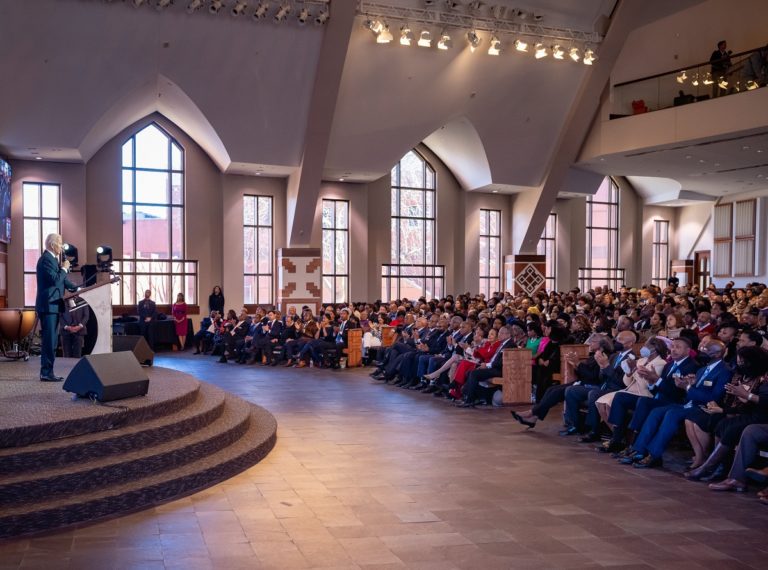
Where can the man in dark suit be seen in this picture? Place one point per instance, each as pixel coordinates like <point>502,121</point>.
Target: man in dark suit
<point>492,369</point>
<point>147,310</point>
<point>49,302</point>
<point>662,387</point>
<point>708,385</point>
<point>611,379</point>
<point>73,331</point>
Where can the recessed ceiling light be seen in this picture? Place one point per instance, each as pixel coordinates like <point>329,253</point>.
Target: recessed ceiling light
<point>38,158</point>
<point>745,147</point>
<point>495,191</point>
<point>341,179</point>
<point>759,150</point>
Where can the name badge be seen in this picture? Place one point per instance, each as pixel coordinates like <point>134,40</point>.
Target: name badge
<point>707,383</point>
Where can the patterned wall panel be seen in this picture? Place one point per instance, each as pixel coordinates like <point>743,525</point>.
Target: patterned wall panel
<point>299,278</point>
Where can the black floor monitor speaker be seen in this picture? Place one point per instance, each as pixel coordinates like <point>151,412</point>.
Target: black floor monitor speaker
<point>136,344</point>
<point>107,377</point>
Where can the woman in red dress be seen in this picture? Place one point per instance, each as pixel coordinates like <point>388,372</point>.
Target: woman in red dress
<point>482,351</point>
<point>179,312</point>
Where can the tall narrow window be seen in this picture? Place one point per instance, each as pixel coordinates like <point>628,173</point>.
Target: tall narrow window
<point>660,255</point>
<point>745,226</point>
<point>257,250</point>
<point>490,252</point>
<point>153,220</point>
<point>41,217</point>
<point>602,257</point>
<point>335,251</point>
<point>723,238</point>
<point>412,272</point>
<point>548,247</point>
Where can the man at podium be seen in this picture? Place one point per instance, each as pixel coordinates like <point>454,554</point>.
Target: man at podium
<point>49,302</point>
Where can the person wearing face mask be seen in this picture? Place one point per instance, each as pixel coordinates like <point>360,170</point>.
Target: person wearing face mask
<point>745,403</point>
<point>708,385</point>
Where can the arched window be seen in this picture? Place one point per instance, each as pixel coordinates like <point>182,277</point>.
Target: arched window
<point>153,219</point>
<point>412,272</point>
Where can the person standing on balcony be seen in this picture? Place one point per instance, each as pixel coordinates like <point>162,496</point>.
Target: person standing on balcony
<point>720,60</point>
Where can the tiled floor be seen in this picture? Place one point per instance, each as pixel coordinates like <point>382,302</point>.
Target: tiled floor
<point>371,476</point>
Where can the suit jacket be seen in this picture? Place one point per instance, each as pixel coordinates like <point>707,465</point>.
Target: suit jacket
<point>147,308</point>
<point>588,372</point>
<point>51,283</point>
<point>77,317</point>
<point>710,384</point>
<point>613,376</point>
<point>497,360</point>
<point>437,341</point>
<point>665,388</point>
<point>275,330</point>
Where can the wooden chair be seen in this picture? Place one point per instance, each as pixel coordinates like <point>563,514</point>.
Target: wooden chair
<point>517,377</point>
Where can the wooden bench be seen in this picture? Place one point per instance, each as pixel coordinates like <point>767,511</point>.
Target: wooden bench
<point>516,377</point>
<point>354,350</point>
<point>567,370</point>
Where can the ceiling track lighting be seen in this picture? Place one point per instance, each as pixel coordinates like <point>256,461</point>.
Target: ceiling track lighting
<point>406,36</point>
<point>445,42</point>
<point>557,52</point>
<point>303,16</point>
<point>574,54</point>
<point>216,6</point>
<point>589,57</point>
<point>520,45</point>
<point>239,8</point>
<point>708,79</point>
<point>194,5</point>
<point>540,51</point>
<point>261,11</point>
<point>137,3</point>
<point>695,80</point>
<point>474,40</point>
<point>425,39</point>
<point>385,36</point>
<point>495,47</point>
<point>283,12</point>
<point>163,4</point>
<point>680,78</point>
<point>374,25</point>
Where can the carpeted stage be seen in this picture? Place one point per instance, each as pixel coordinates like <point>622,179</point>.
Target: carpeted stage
<point>65,460</point>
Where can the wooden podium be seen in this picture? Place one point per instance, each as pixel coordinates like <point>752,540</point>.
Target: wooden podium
<point>99,297</point>
<point>516,380</point>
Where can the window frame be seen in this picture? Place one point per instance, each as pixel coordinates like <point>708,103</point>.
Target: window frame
<point>542,247</point>
<point>612,254</point>
<point>41,234</point>
<point>723,241</point>
<point>486,281</point>
<point>659,275</point>
<point>256,275</point>
<point>335,230</point>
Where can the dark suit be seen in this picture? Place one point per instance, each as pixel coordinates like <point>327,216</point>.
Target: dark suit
<point>664,393</point>
<point>493,369</point>
<point>147,309</point>
<point>587,373</point>
<point>49,304</point>
<point>662,423</point>
<point>72,342</point>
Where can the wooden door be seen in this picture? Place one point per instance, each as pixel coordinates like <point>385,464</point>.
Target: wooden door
<point>702,269</point>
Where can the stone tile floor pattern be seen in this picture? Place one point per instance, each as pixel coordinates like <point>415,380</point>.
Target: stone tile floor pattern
<point>371,476</point>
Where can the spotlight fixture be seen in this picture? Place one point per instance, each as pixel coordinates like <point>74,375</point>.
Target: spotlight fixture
<point>425,39</point>
<point>473,39</point>
<point>303,16</point>
<point>385,36</point>
<point>194,5</point>
<point>589,57</point>
<point>137,3</point>
<point>406,36</point>
<point>374,25</point>
<point>680,78</point>
<point>322,17</point>
<point>541,50</point>
<point>283,12</point>
<point>520,45</point>
<point>495,47</point>
<point>498,12</point>
<point>708,79</point>
<point>573,53</point>
<point>695,80</point>
<point>723,83</point>
<point>452,4</point>
<point>445,42</point>
<point>104,257</point>
<point>239,8</point>
<point>70,254</point>
<point>557,51</point>
<point>752,85</point>
<point>261,11</point>
<point>162,4</point>
<point>216,6</point>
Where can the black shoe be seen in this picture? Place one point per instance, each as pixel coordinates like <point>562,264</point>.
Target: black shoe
<point>441,393</point>
<point>610,447</point>
<point>568,431</point>
<point>419,386</point>
<point>466,405</point>
<point>51,378</point>
<point>648,462</point>
<point>196,352</point>
<point>523,421</point>
<point>718,474</point>
<point>629,459</point>
<point>223,359</point>
<point>377,363</point>
<point>591,437</point>
<point>376,373</point>
<point>431,389</point>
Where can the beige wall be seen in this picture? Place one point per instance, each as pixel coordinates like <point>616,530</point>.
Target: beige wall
<point>571,240</point>
<point>650,215</point>
<point>473,202</point>
<point>72,179</point>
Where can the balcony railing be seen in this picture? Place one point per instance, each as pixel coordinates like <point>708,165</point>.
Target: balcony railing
<point>412,281</point>
<point>165,278</point>
<point>591,277</point>
<point>690,84</point>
